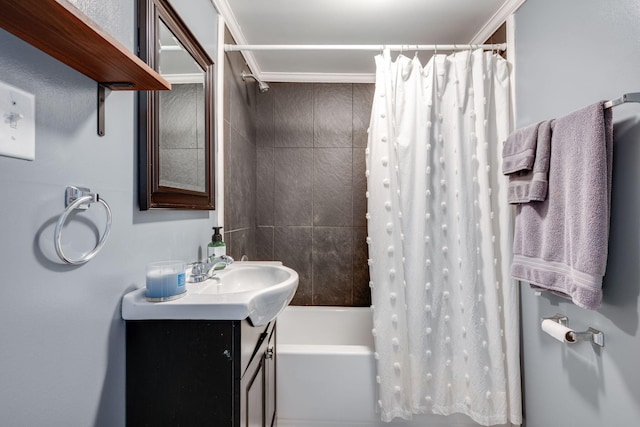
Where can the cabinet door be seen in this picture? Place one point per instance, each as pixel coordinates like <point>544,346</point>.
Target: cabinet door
<point>258,387</point>
<point>182,373</point>
<point>254,397</point>
<point>270,381</point>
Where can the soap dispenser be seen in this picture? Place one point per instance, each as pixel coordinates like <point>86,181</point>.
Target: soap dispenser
<point>216,247</point>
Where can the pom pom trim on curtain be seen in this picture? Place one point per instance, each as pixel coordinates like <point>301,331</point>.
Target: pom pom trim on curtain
<point>444,307</point>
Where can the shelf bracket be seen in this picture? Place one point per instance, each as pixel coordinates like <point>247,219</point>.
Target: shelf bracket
<point>102,96</point>
<point>104,89</point>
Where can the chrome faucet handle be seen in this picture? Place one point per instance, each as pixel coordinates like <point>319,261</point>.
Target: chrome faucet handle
<point>218,259</point>
<point>220,265</point>
<point>205,269</point>
<point>198,272</point>
<point>197,267</point>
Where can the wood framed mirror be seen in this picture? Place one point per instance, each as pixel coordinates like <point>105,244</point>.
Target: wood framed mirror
<point>176,127</point>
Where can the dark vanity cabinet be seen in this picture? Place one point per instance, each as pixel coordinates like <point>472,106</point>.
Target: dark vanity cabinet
<point>200,373</point>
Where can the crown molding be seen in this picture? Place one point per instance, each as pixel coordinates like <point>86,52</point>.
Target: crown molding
<point>507,9</point>
<point>222,6</point>
<point>224,9</point>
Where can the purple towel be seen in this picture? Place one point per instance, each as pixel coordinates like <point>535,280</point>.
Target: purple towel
<point>531,185</point>
<point>561,244</point>
<point>519,150</point>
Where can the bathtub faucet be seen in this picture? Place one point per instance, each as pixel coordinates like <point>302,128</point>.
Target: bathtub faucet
<point>203,270</point>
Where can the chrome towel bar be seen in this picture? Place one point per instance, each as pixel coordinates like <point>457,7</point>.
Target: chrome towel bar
<point>627,97</point>
<point>80,198</point>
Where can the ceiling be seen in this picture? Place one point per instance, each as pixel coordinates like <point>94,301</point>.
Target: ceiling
<point>352,22</point>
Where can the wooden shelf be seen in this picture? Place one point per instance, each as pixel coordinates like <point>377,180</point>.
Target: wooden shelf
<point>58,28</point>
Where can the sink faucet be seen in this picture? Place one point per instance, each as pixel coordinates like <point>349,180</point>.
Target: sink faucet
<point>205,269</point>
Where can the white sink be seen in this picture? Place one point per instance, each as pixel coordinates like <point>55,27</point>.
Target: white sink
<point>255,290</point>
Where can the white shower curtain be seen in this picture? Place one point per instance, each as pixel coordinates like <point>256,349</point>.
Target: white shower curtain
<point>445,310</point>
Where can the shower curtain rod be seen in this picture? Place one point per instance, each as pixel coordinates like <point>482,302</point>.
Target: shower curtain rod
<point>375,47</point>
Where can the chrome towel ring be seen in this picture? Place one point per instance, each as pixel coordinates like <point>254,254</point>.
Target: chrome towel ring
<point>80,198</point>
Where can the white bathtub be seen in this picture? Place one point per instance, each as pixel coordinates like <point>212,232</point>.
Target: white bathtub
<point>326,371</point>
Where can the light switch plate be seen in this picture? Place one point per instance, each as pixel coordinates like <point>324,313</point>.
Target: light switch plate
<point>17,123</point>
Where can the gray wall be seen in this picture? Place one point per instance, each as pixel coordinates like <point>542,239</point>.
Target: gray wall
<point>62,351</point>
<point>311,187</point>
<point>570,54</point>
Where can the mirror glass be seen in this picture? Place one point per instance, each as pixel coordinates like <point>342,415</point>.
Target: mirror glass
<point>176,126</point>
<point>181,120</point>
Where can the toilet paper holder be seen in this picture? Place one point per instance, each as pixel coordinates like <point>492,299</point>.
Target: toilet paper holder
<point>593,335</point>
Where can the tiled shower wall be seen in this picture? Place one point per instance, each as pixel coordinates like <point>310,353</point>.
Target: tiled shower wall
<point>310,193</point>
<point>239,158</point>
<point>294,181</point>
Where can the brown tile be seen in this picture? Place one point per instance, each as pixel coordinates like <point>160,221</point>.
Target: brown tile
<point>227,89</point>
<point>226,140</point>
<point>332,111</point>
<point>362,102</point>
<point>293,115</point>
<point>241,242</point>
<point>297,184</point>
<point>332,266</point>
<point>293,186</point>
<point>359,188</point>
<point>240,182</point>
<point>242,97</point>
<point>264,244</point>
<point>332,187</point>
<point>265,132</point>
<point>265,187</point>
<point>361,290</point>
<point>292,246</point>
